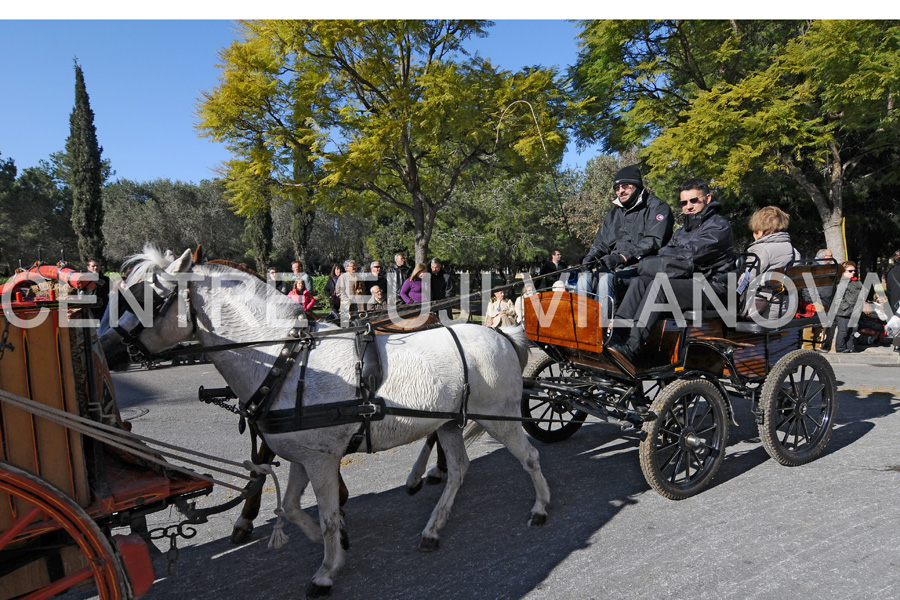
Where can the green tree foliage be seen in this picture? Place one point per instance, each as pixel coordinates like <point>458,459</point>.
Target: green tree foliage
<point>172,215</point>
<point>818,106</point>
<point>35,216</point>
<point>332,238</point>
<point>586,200</point>
<point>7,183</point>
<point>393,119</point>
<point>85,174</point>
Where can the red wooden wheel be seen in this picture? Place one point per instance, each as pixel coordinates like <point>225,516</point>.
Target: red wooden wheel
<point>36,504</point>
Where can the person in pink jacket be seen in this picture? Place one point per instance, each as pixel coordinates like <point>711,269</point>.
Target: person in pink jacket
<point>302,296</point>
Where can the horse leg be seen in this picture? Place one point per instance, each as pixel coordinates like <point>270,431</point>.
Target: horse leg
<point>295,514</point>
<point>458,463</point>
<point>343,496</point>
<point>297,481</point>
<point>437,472</point>
<point>414,479</point>
<point>324,474</point>
<point>243,527</point>
<point>511,435</point>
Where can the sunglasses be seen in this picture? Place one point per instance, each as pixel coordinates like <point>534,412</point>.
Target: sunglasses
<point>851,270</point>
<point>695,200</point>
<point>623,186</point>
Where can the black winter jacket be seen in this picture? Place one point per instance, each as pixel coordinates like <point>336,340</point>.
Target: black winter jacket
<point>893,287</point>
<point>634,232</point>
<point>706,240</point>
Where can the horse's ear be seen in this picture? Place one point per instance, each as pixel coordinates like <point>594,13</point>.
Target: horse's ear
<point>181,264</point>
<point>198,254</point>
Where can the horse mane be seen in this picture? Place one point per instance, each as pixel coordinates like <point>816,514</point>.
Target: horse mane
<point>234,265</point>
<point>151,260</point>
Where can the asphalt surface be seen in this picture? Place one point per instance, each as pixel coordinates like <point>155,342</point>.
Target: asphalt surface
<point>761,531</point>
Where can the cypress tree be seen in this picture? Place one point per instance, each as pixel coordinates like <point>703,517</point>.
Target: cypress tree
<point>85,177</point>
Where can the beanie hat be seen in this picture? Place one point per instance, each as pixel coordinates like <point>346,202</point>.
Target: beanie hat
<point>630,174</point>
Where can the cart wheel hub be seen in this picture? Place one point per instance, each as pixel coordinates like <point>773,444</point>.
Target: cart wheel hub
<point>692,440</point>
<point>802,409</point>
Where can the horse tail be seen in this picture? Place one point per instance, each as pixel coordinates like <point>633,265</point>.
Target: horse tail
<point>472,432</point>
<point>516,336</point>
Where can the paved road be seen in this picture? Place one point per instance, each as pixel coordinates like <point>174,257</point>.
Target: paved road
<point>761,531</point>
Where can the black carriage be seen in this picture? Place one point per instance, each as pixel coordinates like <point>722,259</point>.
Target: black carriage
<point>677,396</point>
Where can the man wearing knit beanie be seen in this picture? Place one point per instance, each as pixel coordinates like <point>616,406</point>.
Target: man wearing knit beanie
<point>638,225</point>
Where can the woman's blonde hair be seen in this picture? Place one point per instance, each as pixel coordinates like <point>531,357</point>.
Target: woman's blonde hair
<point>415,273</point>
<point>769,219</point>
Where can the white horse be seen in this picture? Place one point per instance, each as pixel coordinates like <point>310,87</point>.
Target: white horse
<point>422,371</point>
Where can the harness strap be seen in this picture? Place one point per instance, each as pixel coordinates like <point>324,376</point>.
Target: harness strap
<point>464,407</point>
<point>258,404</point>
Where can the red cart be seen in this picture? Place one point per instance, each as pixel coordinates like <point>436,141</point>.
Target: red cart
<point>62,491</point>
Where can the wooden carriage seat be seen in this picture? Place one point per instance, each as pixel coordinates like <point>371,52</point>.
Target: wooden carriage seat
<point>804,274</point>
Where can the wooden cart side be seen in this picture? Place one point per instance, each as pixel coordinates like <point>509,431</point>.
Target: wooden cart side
<point>40,367</point>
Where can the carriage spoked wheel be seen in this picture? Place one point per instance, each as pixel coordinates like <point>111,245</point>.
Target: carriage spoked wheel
<point>798,402</point>
<point>684,446</point>
<point>34,499</point>
<point>558,419</point>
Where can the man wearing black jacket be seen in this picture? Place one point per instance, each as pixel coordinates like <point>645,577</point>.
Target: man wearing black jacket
<point>704,245</point>
<point>397,273</point>
<point>637,225</point>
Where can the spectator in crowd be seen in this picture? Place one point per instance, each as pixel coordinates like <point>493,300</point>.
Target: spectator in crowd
<point>500,311</point>
<point>101,286</point>
<point>637,226</point>
<point>704,245</point>
<point>892,284</point>
<point>302,296</point>
<point>296,273</point>
<point>440,284</point>
<point>377,302</point>
<point>331,290</point>
<point>892,287</point>
<point>554,265</point>
<point>843,339</point>
<point>411,291</point>
<point>397,274</point>
<point>825,296</point>
<point>272,278</point>
<point>374,277</point>
<point>348,288</point>
<point>527,292</point>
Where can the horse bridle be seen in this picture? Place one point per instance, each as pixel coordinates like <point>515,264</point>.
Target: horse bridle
<point>137,351</point>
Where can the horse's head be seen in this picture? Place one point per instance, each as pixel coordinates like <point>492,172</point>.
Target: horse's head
<point>151,315</point>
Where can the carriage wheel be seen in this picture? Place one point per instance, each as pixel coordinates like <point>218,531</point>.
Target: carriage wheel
<point>684,446</point>
<point>798,402</point>
<point>35,499</point>
<point>561,419</point>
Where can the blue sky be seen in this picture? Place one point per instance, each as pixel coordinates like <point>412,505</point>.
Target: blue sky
<point>144,79</point>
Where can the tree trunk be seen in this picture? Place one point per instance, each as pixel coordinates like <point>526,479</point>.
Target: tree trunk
<point>301,228</point>
<point>831,208</point>
<point>834,236</point>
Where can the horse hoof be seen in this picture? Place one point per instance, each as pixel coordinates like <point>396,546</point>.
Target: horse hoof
<point>241,536</point>
<point>345,540</point>
<point>428,544</point>
<point>412,491</point>
<point>433,480</point>
<point>537,520</point>
<point>317,591</point>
